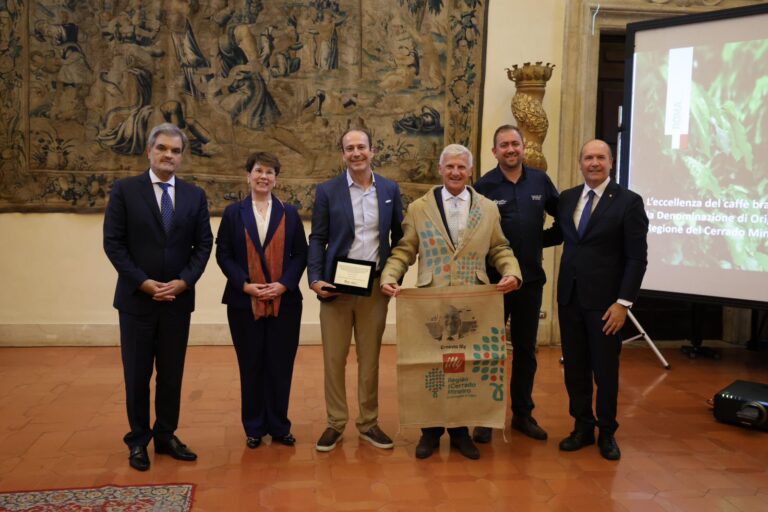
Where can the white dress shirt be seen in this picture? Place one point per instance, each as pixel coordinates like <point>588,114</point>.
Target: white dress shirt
<point>459,206</point>
<point>262,223</point>
<point>599,191</point>
<point>365,209</point>
<point>159,191</point>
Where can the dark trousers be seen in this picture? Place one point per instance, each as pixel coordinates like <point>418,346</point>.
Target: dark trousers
<point>522,307</point>
<point>266,349</point>
<point>589,354</point>
<point>157,339</point>
<point>454,432</point>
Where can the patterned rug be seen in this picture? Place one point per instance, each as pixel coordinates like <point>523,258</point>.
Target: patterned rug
<point>110,498</point>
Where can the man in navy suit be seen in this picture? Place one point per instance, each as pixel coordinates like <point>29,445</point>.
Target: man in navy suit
<point>157,235</point>
<point>356,215</point>
<point>604,229</point>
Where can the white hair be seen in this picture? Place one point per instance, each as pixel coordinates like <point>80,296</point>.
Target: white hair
<point>456,150</point>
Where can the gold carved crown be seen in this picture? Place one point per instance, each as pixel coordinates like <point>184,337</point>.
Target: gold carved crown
<point>530,74</point>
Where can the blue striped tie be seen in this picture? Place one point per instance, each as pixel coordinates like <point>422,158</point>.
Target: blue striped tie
<point>166,207</point>
<point>586,213</point>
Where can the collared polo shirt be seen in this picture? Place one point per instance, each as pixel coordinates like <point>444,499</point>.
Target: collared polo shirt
<point>523,207</point>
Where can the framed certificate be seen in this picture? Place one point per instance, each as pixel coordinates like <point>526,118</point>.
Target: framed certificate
<point>354,277</point>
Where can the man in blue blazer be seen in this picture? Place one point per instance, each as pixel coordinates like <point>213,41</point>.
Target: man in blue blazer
<point>604,229</point>
<point>356,215</point>
<point>157,235</point>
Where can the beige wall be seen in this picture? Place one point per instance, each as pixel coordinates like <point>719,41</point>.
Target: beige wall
<point>525,31</point>
<point>57,284</point>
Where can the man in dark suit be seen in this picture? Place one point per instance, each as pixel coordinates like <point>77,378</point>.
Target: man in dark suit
<point>157,234</point>
<point>356,215</point>
<point>604,229</point>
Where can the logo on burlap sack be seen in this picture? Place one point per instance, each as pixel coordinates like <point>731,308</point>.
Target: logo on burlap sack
<point>453,363</point>
<point>489,361</point>
<point>452,324</point>
<point>434,381</point>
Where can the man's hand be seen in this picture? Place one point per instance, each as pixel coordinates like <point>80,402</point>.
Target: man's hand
<point>390,289</point>
<point>318,286</point>
<point>508,284</point>
<point>170,290</point>
<point>150,286</point>
<point>614,318</point>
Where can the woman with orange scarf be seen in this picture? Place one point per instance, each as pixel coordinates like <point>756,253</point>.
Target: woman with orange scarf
<point>262,249</point>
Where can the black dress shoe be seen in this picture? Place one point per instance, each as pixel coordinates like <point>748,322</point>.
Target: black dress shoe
<point>482,435</point>
<point>466,447</point>
<point>609,449</point>
<point>175,448</point>
<point>139,458</point>
<point>252,442</point>
<point>287,440</point>
<point>528,426</point>
<point>426,446</point>
<point>577,440</point>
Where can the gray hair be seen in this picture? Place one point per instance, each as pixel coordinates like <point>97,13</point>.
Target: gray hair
<point>456,150</point>
<point>170,130</point>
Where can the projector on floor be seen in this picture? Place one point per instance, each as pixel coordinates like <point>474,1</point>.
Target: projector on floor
<point>743,403</point>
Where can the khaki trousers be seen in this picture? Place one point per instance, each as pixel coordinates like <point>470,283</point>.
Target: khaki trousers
<point>367,317</point>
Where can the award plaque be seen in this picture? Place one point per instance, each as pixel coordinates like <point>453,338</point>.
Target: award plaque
<point>354,277</point>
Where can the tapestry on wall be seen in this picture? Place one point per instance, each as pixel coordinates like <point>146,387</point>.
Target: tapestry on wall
<point>84,82</point>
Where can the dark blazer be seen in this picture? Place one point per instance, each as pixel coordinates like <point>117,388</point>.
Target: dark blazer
<point>610,261</point>
<point>139,249</point>
<point>232,253</point>
<point>333,224</point>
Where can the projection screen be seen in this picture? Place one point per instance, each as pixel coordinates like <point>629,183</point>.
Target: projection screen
<point>693,145</point>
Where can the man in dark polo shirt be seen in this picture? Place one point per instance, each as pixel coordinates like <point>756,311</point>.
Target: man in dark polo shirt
<point>524,196</point>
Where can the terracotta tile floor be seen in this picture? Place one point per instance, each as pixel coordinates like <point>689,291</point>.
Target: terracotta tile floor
<point>62,420</point>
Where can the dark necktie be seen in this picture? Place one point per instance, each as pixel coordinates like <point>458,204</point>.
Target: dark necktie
<point>586,213</point>
<point>166,207</point>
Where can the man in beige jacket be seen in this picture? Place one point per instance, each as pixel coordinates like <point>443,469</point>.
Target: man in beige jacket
<point>453,230</point>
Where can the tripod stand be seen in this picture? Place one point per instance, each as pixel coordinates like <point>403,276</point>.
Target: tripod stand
<point>648,340</point>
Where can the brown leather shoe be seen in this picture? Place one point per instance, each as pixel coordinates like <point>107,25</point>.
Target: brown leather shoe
<point>377,438</point>
<point>328,440</point>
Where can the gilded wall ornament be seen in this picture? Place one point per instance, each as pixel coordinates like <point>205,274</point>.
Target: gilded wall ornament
<point>530,82</point>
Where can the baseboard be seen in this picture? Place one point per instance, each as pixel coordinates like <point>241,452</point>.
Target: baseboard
<point>108,335</point>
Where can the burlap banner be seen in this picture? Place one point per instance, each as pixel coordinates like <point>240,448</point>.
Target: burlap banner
<point>451,350</point>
